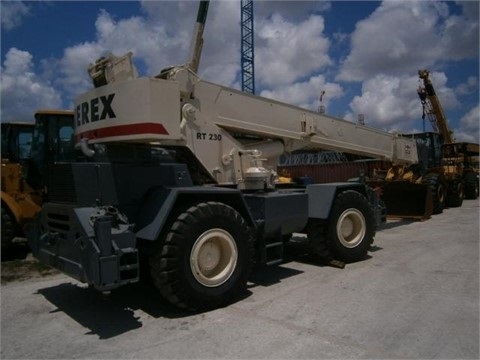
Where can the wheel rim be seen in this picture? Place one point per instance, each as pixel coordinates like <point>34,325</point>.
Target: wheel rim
<point>213,257</point>
<point>351,228</point>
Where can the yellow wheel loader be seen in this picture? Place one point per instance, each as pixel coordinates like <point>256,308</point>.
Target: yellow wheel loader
<point>447,171</point>
<point>17,204</point>
<point>469,153</point>
<point>24,167</point>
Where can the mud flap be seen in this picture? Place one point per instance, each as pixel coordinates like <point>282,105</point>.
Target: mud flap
<point>407,200</point>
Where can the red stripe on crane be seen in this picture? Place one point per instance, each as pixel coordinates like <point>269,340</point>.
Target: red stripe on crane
<point>123,130</point>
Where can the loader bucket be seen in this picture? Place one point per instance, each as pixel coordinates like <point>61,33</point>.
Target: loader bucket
<point>406,200</point>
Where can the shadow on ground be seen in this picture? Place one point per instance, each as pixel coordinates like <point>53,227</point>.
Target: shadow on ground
<point>111,315</point>
<point>15,252</point>
<point>396,223</point>
<point>114,314</point>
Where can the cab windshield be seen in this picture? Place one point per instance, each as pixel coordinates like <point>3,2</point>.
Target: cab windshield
<point>52,142</point>
<point>16,141</point>
<point>53,138</point>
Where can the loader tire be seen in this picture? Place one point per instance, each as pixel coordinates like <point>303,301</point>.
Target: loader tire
<point>471,186</point>
<point>455,194</point>
<point>205,259</point>
<point>438,186</point>
<point>8,229</point>
<point>319,244</point>
<point>349,231</point>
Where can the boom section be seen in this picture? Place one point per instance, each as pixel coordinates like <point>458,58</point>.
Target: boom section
<point>433,107</point>
<point>230,132</point>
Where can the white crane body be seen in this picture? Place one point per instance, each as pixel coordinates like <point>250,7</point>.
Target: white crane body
<point>186,111</point>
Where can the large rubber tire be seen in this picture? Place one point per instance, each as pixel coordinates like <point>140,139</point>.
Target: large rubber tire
<point>437,184</point>
<point>205,259</point>
<point>471,186</point>
<point>455,193</point>
<point>8,229</point>
<point>349,231</point>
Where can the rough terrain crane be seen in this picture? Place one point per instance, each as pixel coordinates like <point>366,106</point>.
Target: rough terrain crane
<point>23,166</point>
<point>451,162</point>
<point>181,176</point>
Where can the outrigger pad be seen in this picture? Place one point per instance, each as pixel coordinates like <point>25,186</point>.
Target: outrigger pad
<point>407,200</point>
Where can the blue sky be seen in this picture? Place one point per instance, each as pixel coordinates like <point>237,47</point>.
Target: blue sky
<point>364,55</point>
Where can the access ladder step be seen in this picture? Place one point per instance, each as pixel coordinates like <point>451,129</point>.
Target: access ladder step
<point>274,253</point>
<point>129,265</point>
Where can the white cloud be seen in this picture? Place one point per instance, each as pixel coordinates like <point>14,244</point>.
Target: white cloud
<point>306,94</point>
<point>291,48</point>
<point>340,38</point>
<point>468,87</point>
<point>152,44</point>
<point>156,45</point>
<point>73,67</point>
<point>391,103</point>
<point>460,33</point>
<point>289,44</point>
<point>220,61</point>
<point>403,35</point>
<point>12,13</point>
<point>293,11</point>
<point>469,126</point>
<point>157,41</point>
<point>287,52</point>
<point>22,92</point>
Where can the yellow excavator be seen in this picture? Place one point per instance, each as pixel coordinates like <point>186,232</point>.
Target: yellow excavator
<point>24,167</point>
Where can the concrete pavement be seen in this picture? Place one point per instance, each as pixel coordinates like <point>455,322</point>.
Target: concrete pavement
<point>416,297</point>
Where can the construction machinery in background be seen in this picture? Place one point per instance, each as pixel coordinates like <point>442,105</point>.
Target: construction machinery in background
<point>469,153</point>
<point>456,160</point>
<point>26,148</point>
<point>179,175</point>
<point>16,142</point>
<point>447,168</point>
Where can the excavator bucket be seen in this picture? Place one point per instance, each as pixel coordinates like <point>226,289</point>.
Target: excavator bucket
<point>406,200</point>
